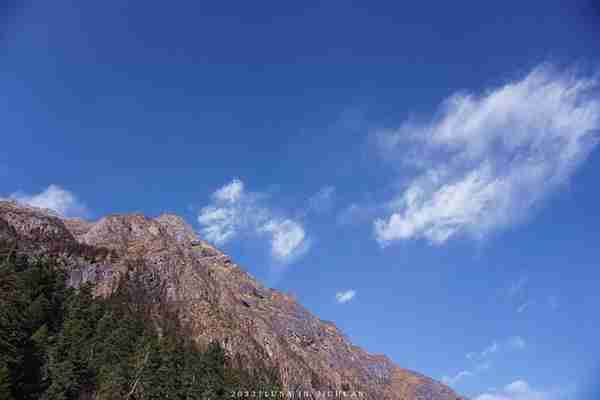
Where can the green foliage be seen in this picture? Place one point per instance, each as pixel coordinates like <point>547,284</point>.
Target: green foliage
<point>62,344</point>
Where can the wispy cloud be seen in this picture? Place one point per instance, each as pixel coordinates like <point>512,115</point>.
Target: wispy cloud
<point>524,306</point>
<point>467,373</point>
<point>517,287</point>
<point>453,380</point>
<point>511,343</point>
<point>345,296</point>
<point>481,359</point>
<point>485,353</point>
<point>517,295</point>
<point>322,201</point>
<point>516,342</point>
<point>485,161</point>
<point>521,390</point>
<point>234,211</point>
<point>55,198</point>
<point>489,350</point>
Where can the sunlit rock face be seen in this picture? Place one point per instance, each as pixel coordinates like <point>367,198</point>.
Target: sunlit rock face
<point>215,299</point>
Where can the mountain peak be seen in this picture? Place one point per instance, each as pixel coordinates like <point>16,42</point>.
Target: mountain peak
<point>215,299</point>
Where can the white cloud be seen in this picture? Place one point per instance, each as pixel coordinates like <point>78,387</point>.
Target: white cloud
<point>521,390</point>
<point>486,161</point>
<point>512,343</point>
<point>54,198</point>
<point>323,200</point>
<point>516,342</point>
<point>231,192</point>
<point>480,360</point>
<point>477,368</point>
<point>288,239</point>
<point>452,380</point>
<point>491,349</point>
<point>345,296</point>
<point>222,219</point>
<point>517,294</point>
<point>523,306</point>
<point>235,211</point>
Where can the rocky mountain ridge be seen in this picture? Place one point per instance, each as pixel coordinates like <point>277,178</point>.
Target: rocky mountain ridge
<point>214,298</point>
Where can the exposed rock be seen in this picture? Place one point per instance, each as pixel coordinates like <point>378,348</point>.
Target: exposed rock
<point>8,235</point>
<point>215,299</point>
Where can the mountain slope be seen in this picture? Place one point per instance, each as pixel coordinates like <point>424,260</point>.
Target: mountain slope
<point>214,299</point>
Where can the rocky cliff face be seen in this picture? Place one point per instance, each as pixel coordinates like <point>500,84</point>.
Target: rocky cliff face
<point>215,298</point>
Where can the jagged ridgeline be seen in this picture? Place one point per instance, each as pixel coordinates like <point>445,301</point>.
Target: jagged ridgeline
<point>63,343</point>
<point>135,307</point>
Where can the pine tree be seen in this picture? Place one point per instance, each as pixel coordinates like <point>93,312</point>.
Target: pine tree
<point>214,378</point>
<point>5,383</point>
<point>69,365</point>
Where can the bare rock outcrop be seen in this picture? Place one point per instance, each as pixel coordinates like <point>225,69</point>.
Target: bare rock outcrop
<point>215,299</point>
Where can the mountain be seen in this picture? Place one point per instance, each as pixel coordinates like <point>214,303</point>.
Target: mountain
<point>214,299</point>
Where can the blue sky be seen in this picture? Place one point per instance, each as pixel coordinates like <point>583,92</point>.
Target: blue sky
<point>424,175</point>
